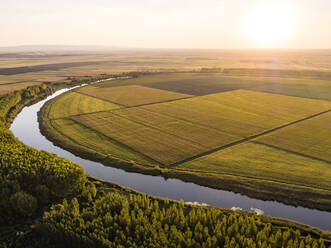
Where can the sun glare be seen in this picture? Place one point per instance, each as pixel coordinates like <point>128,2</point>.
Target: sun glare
<point>270,24</point>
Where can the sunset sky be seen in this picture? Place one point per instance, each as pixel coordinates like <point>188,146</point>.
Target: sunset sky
<point>167,23</point>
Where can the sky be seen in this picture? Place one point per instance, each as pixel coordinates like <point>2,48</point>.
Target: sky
<point>165,23</point>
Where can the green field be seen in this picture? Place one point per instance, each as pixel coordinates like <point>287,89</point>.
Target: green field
<point>160,146</point>
<point>132,95</point>
<point>241,113</point>
<point>311,137</point>
<point>95,141</point>
<point>175,131</point>
<point>74,103</point>
<point>307,91</point>
<point>263,162</point>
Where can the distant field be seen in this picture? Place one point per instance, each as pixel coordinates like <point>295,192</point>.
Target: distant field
<point>263,162</point>
<point>205,85</point>
<point>132,95</point>
<point>97,142</point>
<point>44,67</point>
<point>307,91</point>
<point>74,103</point>
<point>5,89</point>
<point>311,137</point>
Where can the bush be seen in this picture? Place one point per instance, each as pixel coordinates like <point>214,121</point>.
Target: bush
<point>23,203</point>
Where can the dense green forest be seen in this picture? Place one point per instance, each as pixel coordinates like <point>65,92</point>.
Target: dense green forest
<point>47,201</point>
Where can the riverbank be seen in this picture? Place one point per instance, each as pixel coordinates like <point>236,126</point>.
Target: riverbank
<point>289,194</point>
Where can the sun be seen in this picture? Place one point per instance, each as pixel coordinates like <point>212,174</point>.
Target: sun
<point>270,23</point>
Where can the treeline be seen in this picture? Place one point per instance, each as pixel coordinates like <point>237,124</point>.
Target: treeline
<point>115,220</point>
<point>47,201</point>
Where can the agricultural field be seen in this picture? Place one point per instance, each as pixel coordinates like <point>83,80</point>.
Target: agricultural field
<point>7,88</point>
<point>74,103</point>
<point>259,161</point>
<point>133,95</point>
<point>160,146</point>
<point>95,141</point>
<point>178,130</point>
<point>241,112</point>
<point>306,91</point>
<point>310,137</point>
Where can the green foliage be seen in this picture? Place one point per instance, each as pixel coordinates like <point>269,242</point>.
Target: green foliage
<point>28,177</point>
<point>23,203</point>
<point>116,220</point>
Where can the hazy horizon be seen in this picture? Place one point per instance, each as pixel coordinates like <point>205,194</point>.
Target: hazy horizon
<point>191,24</point>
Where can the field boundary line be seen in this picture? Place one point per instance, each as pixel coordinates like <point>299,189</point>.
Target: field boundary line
<point>195,123</point>
<point>121,106</point>
<point>248,138</point>
<point>289,151</point>
<point>114,140</point>
<point>160,130</point>
<point>140,105</point>
<point>82,93</point>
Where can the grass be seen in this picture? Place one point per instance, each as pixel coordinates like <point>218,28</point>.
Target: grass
<point>264,162</point>
<point>311,137</point>
<point>133,95</point>
<point>93,140</point>
<point>241,112</point>
<point>74,103</point>
<point>160,146</point>
<point>207,138</point>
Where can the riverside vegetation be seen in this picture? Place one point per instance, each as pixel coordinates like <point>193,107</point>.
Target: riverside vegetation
<point>49,201</point>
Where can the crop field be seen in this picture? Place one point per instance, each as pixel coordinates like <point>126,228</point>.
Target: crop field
<point>241,113</point>
<point>133,95</point>
<point>306,91</point>
<point>205,85</point>
<point>311,137</point>
<point>264,162</point>
<point>7,88</point>
<point>197,134</point>
<point>160,146</point>
<point>95,141</point>
<point>74,103</point>
<point>178,130</point>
